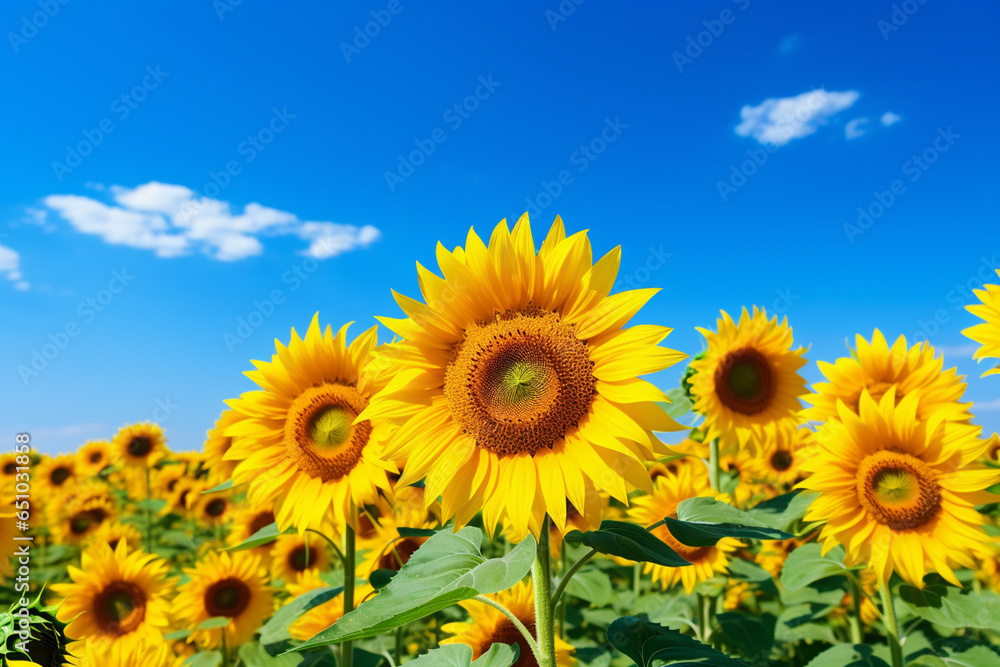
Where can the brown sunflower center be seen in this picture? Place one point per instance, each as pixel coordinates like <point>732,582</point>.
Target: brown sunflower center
<point>320,435</point>
<point>120,608</point>
<point>521,382</point>
<point>60,475</point>
<point>227,597</point>
<point>398,553</point>
<point>898,490</point>
<point>688,553</point>
<point>781,460</point>
<point>79,523</point>
<point>301,558</point>
<point>216,507</point>
<point>10,468</point>
<point>505,633</point>
<point>744,382</point>
<point>95,457</point>
<point>140,446</point>
<point>261,520</point>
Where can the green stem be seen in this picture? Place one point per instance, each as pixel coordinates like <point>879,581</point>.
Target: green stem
<point>702,620</point>
<point>398,652</point>
<point>569,574</point>
<point>636,579</point>
<point>336,549</point>
<point>225,650</point>
<point>713,465</point>
<point>347,648</point>
<point>889,614</point>
<point>149,518</point>
<point>541,576</point>
<point>855,618</point>
<point>529,640</point>
<point>562,602</point>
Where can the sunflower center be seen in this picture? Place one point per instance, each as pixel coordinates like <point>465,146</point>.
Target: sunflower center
<point>782,460</point>
<point>79,524</point>
<point>399,552</point>
<point>521,382</point>
<point>120,608</point>
<point>260,521</point>
<point>95,457</point>
<point>216,508</point>
<point>10,468</point>
<point>898,489</point>
<point>59,475</point>
<point>744,382</point>
<point>300,560</point>
<point>228,597</point>
<point>366,527</point>
<point>320,435</point>
<point>505,633</point>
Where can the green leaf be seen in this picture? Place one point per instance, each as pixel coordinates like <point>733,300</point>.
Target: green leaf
<point>254,655</point>
<point>805,565</point>
<point>591,585</point>
<point>214,622</point>
<point>627,540</point>
<point>225,486</point>
<point>750,636</point>
<point>204,659</point>
<point>276,629</point>
<point>154,505</point>
<point>499,655</point>
<point>648,644</point>
<point>265,535</point>
<point>785,510</point>
<point>447,568</point>
<point>679,404</point>
<point>179,634</point>
<point>381,577</point>
<point>847,655</point>
<point>950,607</point>
<point>460,655</point>
<point>701,522</point>
<point>956,652</point>
<point>415,532</point>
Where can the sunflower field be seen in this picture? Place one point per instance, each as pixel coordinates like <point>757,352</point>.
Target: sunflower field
<point>488,486</point>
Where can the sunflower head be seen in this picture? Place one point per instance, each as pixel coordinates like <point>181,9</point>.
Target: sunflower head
<point>93,457</point>
<point>113,532</point>
<point>55,474</point>
<point>83,513</point>
<point>139,445</point>
<point>45,640</point>
<point>986,333</point>
<point>292,555</point>
<point>213,509</point>
<point>247,521</point>
<point>779,461</point>
<point>216,446</point>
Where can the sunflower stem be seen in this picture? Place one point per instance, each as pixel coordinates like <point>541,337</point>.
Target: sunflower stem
<point>561,588</point>
<point>892,630</point>
<point>336,549</point>
<point>149,516</point>
<point>855,618</point>
<point>541,577</point>
<point>347,648</point>
<point>561,604</point>
<point>397,653</point>
<point>529,640</point>
<point>636,579</point>
<point>702,620</point>
<point>713,465</point>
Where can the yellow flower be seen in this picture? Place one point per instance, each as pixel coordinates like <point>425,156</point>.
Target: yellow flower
<point>116,598</point>
<point>878,367</point>
<point>898,493</point>
<point>324,615</point>
<point>488,626</point>
<point>224,585</point>
<point>667,494</point>
<point>139,445</point>
<point>780,461</point>
<point>145,654</point>
<point>291,555</point>
<point>186,491</point>
<point>81,514</point>
<point>385,549</point>
<point>93,457</point>
<point>747,383</point>
<point>247,521</point>
<point>113,532</point>
<point>213,509</point>
<point>54,474</point>
<point>8,531</point>
<point>987,333</point>
<point>8,469</point>
<point>299,443</point>
<point>216,446</point>
<point>515,386</point>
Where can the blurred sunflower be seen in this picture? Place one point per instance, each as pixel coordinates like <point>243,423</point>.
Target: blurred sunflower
<point>186,492</point>
<point>113,532</point>
<point>747,383</point>
<point>993,450</point>
<point>487,626</point>
<point>139,445</point>
<point>898,493</point>
<point>8,530</point>
<point>212,509</point>
<point>81,516</point>
<point>779,463</point>
<point>145,654</point>
<point>986,333</point>
<point>8,469</point>
<point>116,598</point>
<point>773,553</point>
<point>165,479</point>
<point>668,492</point>
<point>216,445</point>
<point>247,521</point>
<point>515,387</point>
<point>293,554</point>
<point>93,457</point>
<point>299,442</point>
<point>876,368</point>
<point>410,507</point>
<point>54,474</point>
<point>323,615</point>
<point>224,585</point>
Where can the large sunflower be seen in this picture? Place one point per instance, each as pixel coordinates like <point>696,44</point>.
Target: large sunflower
<point>294,554</point>
<point>139,445</point>
<point>216,445</point>
<point>93,457</point>
<point>898,493</point>
<point>324,615</point>
<point>877,367</point>
<point>224,585</point>
<point>488,626</point>
<point>747,383</point>
<point>670,489</point>
<point>116,597</point>
<point>298,442</point>
<point>986,333</point>
<point>54,474</point>
<point>515,386</point>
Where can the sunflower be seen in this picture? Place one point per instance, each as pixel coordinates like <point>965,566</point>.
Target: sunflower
<point>876,368</point>
<point>213,509</point>
<point>993,450</point>
<point>410,507</point>
<point>773,553</point>
<point>139,445</point>
<point>216,446</point>
<point>186,492</point>
<point>113,532</point>
<point>747,383</point>
<point>898,493</point>
<point>8,531</point>
<point>147,654</point>
<point>296,553</point>
<point>247,521</point>
<point>83,514</point>
<point>93,457</point>
<point>668,492</point>
<point>298,441</point>
<point>986,333</point>
<point>323,615</point>
<point>116,597</point>
<point>779,463</point>
<point>488,626</point>
<point>54,474</point>
<point>224,585</point>
<point>8,469</point>
<point>165,479</point>
<point>515,385</point>
<point>385,549</point>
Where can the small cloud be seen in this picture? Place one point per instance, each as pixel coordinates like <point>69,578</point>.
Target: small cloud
<point>853,129</point>
<point>780,120</point>
<point>889,118</point>
<point>956,350</point>
<point>986,406</point>
<point>10,266</point>
<point>173,221</point>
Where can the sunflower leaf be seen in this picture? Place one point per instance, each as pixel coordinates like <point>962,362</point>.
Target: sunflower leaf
<point>228,484</point>
<point>785,510</point>
<point>499,655</point>
<point>679,404</point>
<point>627,540</point>
<point>847,655</point>
<point>415,532</point>
<point>806,565</point>
<point>460,655</point>
<point>951,607</point>
<point>204,659</point>
<point>702,522</point>
<point>447,568</point>
<point>276,629</point>
<point>381,577</point>
<point>214,622</point>
<point>265,535</point>
<point>648,644</point>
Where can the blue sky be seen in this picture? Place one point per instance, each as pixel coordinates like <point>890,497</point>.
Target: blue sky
<point>167,165</point>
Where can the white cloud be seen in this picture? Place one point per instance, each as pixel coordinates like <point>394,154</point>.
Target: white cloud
<point>956,350</point>
<point>780,120</point>
<point>172,220</point>
<point>853,129</point>
<point>889,118</point>
<point>10,266</point>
